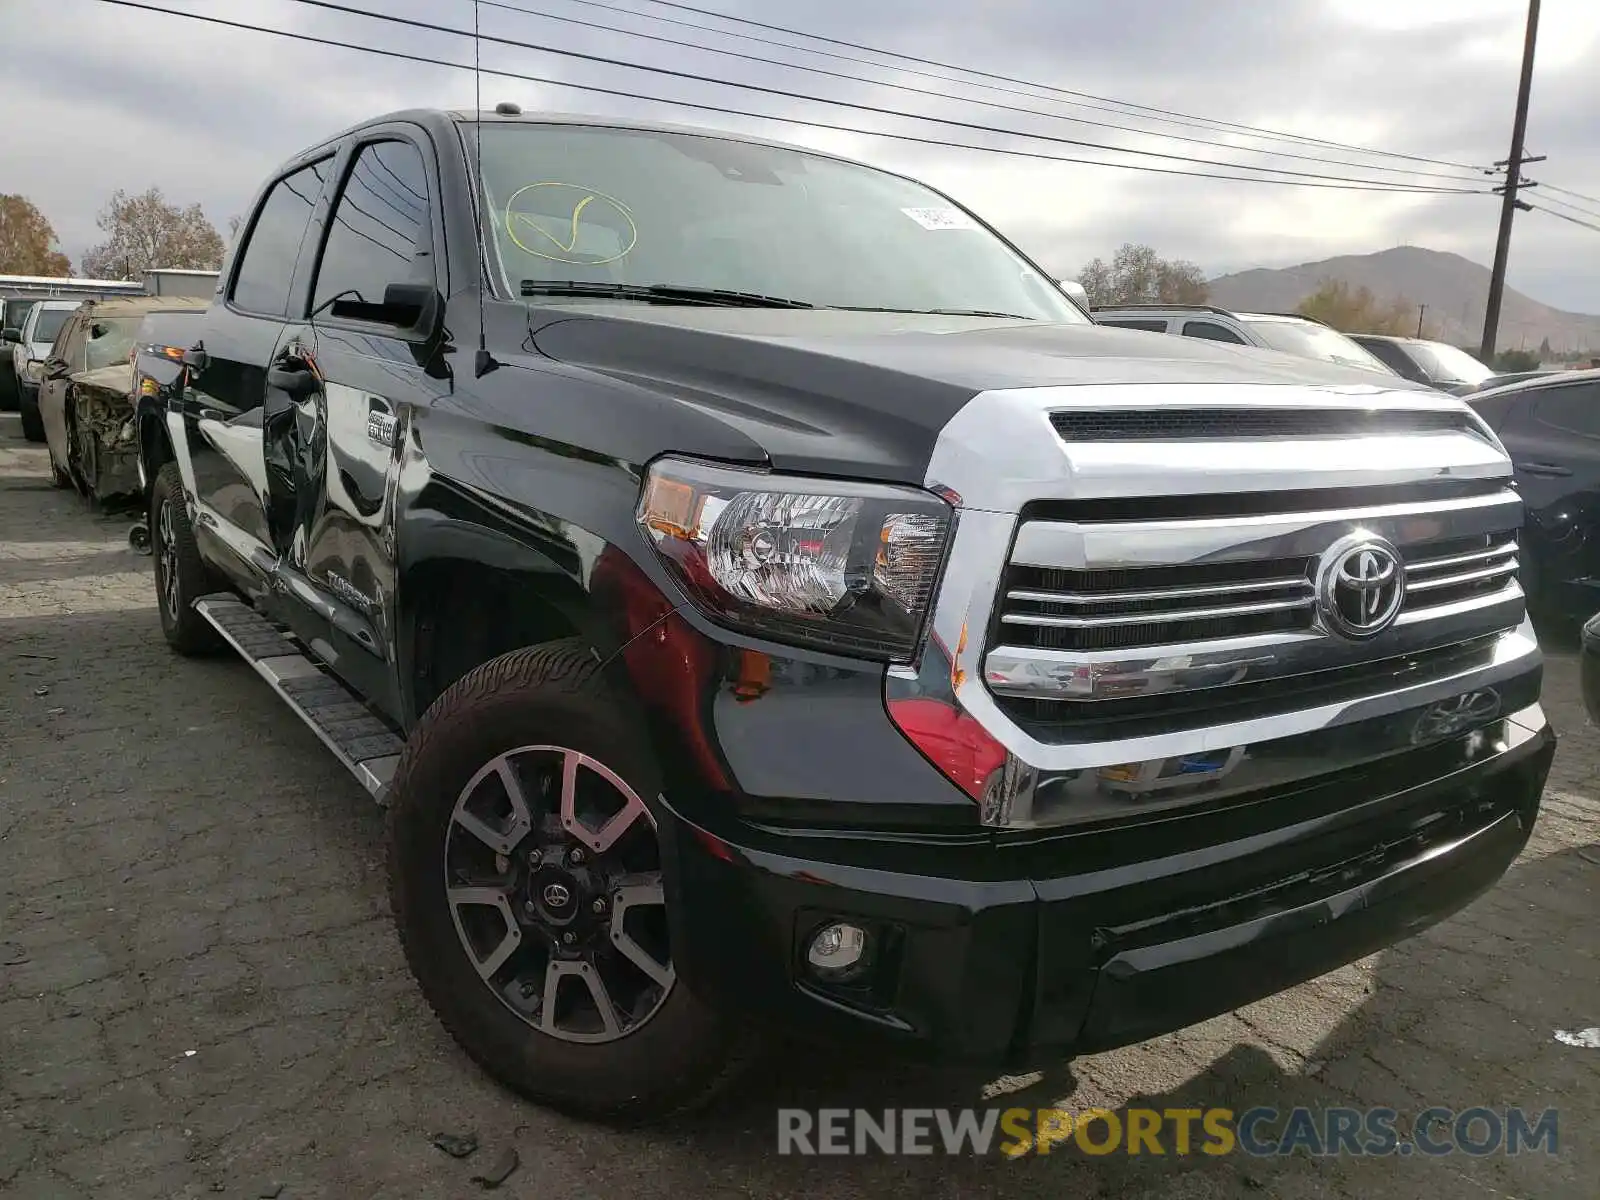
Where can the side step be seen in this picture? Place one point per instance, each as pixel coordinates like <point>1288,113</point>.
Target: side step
<point>367,747</point>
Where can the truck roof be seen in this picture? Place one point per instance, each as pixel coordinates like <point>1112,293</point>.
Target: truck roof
<point>439,120</point>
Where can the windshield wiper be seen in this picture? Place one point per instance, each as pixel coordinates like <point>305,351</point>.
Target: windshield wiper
<point>656,293</point>
<point>934,312</point>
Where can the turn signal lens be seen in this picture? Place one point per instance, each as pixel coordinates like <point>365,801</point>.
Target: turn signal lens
<point>837,566</point>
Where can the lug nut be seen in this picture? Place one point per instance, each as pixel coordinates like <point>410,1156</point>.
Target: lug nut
<point>599,904</point>
<point>568,938</point>
<point>535,855</point>
<point>527,991</point>
<point>575,857</point>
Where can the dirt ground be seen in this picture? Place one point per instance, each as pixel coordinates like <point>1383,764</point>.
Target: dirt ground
<point>201,993</point>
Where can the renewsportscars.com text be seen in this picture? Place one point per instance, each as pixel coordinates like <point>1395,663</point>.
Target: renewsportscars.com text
<point>1256,1132</point>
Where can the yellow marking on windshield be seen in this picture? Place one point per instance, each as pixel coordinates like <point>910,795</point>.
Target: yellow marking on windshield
<point>567,250</point>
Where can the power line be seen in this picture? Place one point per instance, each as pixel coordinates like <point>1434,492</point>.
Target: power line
<point>1177,117</point>
<point>1576,221</point>
<point>803,122</point>
<point>923,91</point>
<point>1550,187</point>
<point>786,94</point>
<point>1566,204</point>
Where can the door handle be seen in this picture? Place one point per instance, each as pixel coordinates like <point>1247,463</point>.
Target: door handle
<point>1544,468</point>
<point>297,381</point>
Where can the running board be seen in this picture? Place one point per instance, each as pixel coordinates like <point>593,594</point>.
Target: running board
<point>367,747</point>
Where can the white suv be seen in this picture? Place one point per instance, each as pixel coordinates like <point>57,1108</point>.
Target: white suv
<point>1284,332</point>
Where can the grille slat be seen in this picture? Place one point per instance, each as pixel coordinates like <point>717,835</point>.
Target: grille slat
<point>1219,612</point>
<point>1187,425</point>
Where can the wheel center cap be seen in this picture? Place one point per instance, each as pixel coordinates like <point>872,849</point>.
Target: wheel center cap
<point>557,895</point>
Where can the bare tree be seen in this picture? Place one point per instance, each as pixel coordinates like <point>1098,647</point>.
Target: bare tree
<point>27,241</point>
<point>145,231</point>
<point>1138,275</point>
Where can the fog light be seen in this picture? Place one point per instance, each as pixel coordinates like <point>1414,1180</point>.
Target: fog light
<point>837,951</point>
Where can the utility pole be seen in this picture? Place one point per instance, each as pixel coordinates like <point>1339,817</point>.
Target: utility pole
<point>1421,308</point>
<point>1509,205</point>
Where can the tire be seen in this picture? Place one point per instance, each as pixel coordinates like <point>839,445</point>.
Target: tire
<point>180,573</point>
<point>32,422</point>
<point>682,1053</point>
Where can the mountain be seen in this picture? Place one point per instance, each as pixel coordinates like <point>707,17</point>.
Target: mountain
<point>1455,289</point>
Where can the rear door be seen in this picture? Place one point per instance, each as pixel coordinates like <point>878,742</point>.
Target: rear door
<point>224,402</point>
<point>359,382</point>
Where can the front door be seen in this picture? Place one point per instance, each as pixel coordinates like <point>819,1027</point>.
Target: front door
<point>341,398</point>
<point>66,358</point>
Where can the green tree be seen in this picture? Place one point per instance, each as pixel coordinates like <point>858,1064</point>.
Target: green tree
<point>1516,360</point>
<point>146,231</point>
<point>27,241</point>
<point>1138,275</point>
<point>1358,311</point>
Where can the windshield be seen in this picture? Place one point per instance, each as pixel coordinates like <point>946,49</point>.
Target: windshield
<point>1309,340</point>
<point>602,207</point>
<point>1448,364</point>
<point>49,324</point>
<point>110,341</point>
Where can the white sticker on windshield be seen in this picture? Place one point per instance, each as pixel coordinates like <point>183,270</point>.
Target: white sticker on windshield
<point>940,218</point>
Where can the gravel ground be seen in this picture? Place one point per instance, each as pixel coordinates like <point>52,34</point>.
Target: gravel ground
<point>201,994</point>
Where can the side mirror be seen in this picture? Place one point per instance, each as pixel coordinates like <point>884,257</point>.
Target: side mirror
<point>195,358</point>
<point>1075,290</point>
<point>412,308</point>
<point>55,368</point>
<point>10,336</point>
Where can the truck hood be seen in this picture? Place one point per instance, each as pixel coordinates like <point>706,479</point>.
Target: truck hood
<point>866,394</point>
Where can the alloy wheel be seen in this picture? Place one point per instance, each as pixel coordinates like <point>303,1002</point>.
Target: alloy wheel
<point>167,559</point>
<point>553,879</point>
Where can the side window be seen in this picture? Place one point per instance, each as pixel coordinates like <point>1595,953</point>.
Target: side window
<point>380,232</point>
<point>267,267</point>
<point>68,345</point>
<point>1392,356</point>
<point>1210,331</point>
<point>1145,323</point>
<point>1572,409</point>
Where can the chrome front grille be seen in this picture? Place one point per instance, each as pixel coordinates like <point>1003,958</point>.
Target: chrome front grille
<point>1095,609</point>
<point>1148,606</point>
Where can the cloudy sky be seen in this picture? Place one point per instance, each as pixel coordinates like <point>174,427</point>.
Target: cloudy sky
<point>99,97</point>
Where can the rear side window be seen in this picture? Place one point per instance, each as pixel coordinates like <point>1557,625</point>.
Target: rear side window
<point>1145,323</point>
<point>1572,409</point>
<point>1392,356</point>
<point>1212,332</point>
<point>380,232</point>
<point>266,266</point>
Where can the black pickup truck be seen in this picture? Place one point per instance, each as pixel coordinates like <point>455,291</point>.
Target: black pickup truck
<point>764,600</point>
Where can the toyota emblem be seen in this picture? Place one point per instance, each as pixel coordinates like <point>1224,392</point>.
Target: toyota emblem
<point>1361,584</point>
<point>557,895</point>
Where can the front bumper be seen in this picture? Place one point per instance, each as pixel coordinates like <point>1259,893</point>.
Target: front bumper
<point>1012,948</point>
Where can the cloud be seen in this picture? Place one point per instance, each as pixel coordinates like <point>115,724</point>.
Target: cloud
<point>114,98</point>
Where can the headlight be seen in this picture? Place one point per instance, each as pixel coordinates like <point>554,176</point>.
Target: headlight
<point>847,567</point>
